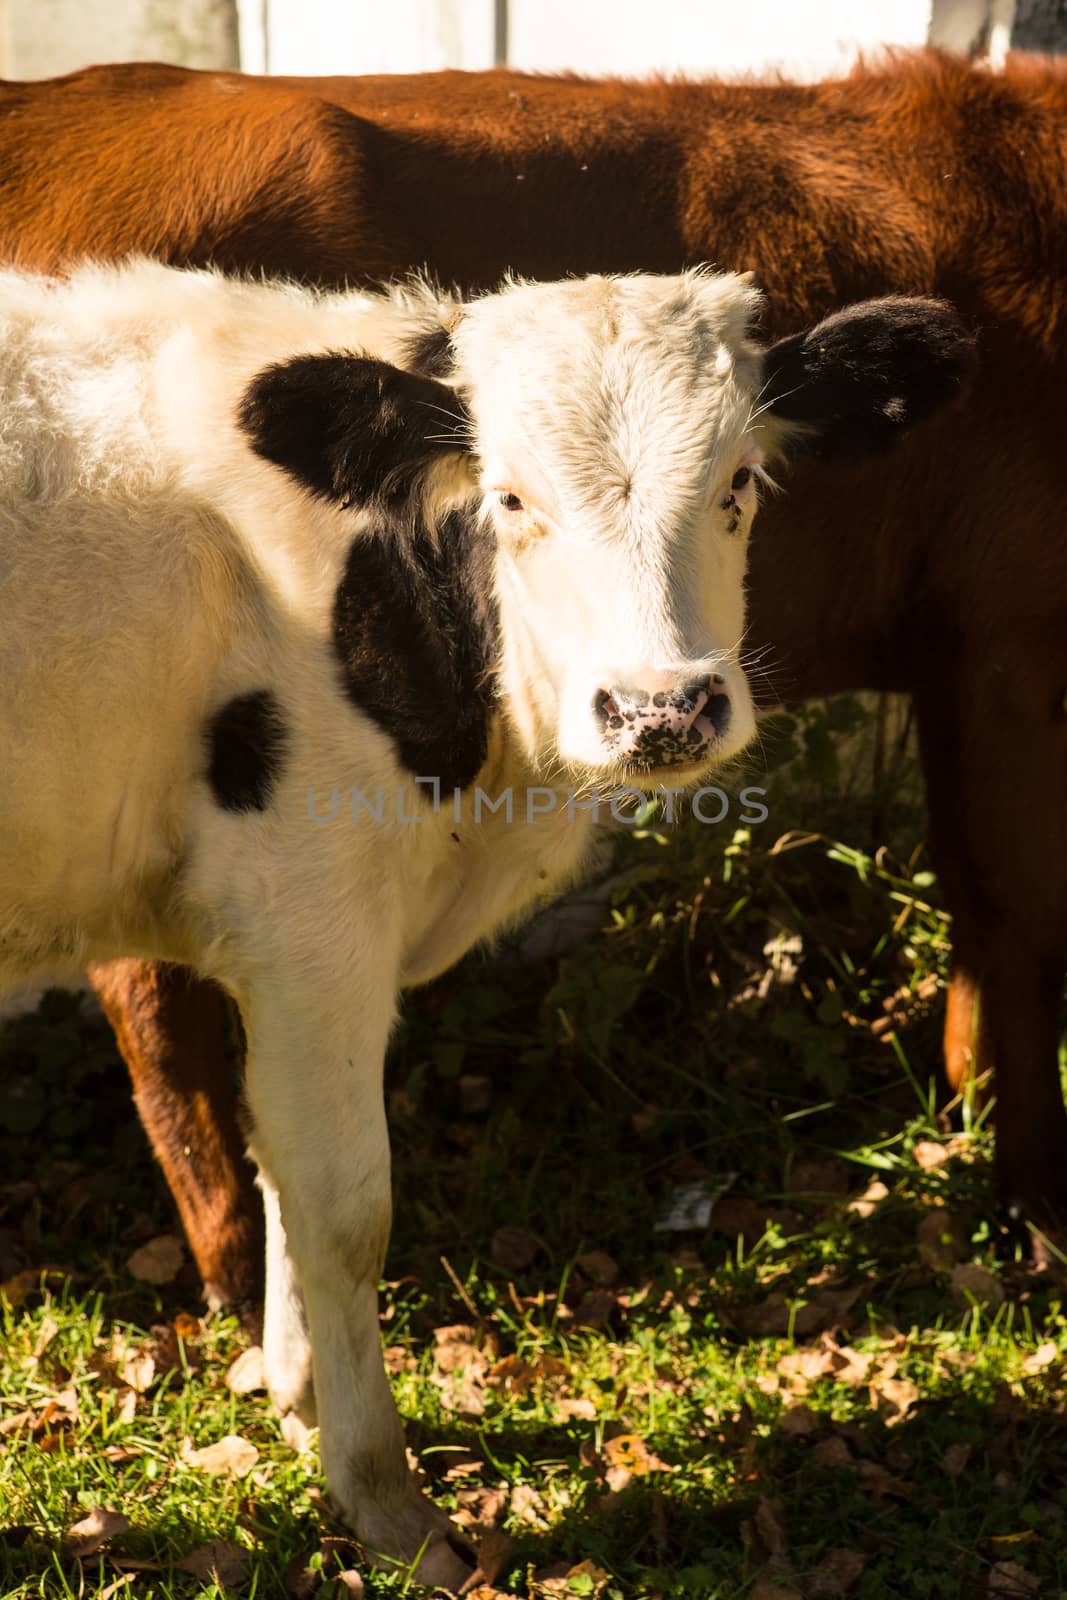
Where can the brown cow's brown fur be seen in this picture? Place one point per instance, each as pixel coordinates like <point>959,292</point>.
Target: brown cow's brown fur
<point>940,571</point>
<point>163,1017</point>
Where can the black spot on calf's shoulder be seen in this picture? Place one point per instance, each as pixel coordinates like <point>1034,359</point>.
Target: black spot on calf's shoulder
<point>415,632</point>
<point>246,748</point>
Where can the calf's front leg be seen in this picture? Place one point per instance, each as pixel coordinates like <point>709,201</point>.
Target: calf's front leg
<point>314,1088</point>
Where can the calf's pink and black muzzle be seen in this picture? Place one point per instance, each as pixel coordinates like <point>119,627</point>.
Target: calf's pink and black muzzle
<point>664,721</point>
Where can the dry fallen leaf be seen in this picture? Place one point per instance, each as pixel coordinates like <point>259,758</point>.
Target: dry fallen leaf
<point>588,1572</point>
<point>595,1309</point>
<point>24,1284</point>
<point>526,1504</point>
<point>139,1370</point>
<point>464,1465</point>
<point>850,1366</point>
<point>302,1580</point>
<point>736,1215</point>
<point>768,1586</point>
<point>63,1404</point>
<point>559,1580</point>
<point>882,1484</point>
<point>112,1589</point>
<point>513,1374</point>
<point>929,1154</point>
<point>86,1536</point>
<point>584,1409</point>
<point>599,1266</point>
<point>187,1327</point>
<point>832,1452</point>
<point>835,1575</point>
<point>158,1261</point>
<point>1008,1578</point>
<point>46,1333</point>
<point>126,1405</point>
<point>231,1455</point>
<point>819,1175</point>
<point>455,1347</point>
<point>464,1397</point>
<point>770,1525</point>
<point>16,1422</point>
<point>894,1397</point>
<point>221,1561</point>
<point>475,1094</point>
<point>801,1368</point>
<point>955,1459</point>
<point>798,1422</point>
<point>493,1551</point>
<point>943,1239</point>
<point>1042,1357</point>
<point>632,1454</point>
<point>479,1509</point>
<point>515,1249</point>
<point>972,1282</point>
<point>245,1375</point>
<point>119,1454</point>
<point>781,1314</point>
<point>869,1201</point>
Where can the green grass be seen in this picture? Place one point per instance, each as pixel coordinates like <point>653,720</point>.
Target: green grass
<point>794,1380</point>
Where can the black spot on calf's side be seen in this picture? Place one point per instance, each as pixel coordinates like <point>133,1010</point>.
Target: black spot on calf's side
<point>349,428</point>
<point>862,377</point>
<point>246,742</point>
<point>415,631</point>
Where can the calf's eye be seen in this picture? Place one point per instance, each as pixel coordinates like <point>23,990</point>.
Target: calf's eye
<point>510,502</point>
<point>740,479</point>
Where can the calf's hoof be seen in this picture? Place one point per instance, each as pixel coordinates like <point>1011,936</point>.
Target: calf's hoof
<point>407,1531</point>
<point>446,1563</point>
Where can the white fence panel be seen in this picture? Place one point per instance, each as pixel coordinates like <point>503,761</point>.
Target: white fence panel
<point>354,36</point>
<point>48,37</point>
<point>708,37</point>
<point>40,38</point>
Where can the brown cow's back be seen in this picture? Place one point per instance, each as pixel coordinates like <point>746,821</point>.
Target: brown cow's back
<point>927,176</point>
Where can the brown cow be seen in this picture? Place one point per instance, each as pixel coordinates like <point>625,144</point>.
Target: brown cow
<point>940,572</point>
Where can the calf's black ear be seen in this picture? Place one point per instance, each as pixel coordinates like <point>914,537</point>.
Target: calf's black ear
<point>349,428</point>
<point>860,379</point>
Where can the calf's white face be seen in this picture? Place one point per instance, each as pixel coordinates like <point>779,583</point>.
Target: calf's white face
<point>588,559</point>
<point>613,423</point>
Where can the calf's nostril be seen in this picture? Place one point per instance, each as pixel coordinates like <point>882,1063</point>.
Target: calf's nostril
<point>604,705</point>
<point>717,712</point>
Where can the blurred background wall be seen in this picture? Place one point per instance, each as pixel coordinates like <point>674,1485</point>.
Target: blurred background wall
<point>805,38</point>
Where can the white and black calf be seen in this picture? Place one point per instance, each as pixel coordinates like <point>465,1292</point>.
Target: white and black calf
<point>277,616</point>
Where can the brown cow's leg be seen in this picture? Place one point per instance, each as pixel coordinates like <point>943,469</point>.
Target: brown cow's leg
<point>966,1039</point>
<point>1021,994</point>
<point>996,771</point>
<point>170,1028</point>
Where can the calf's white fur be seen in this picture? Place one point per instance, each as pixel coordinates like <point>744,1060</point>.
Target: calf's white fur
<point>160,560</point>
